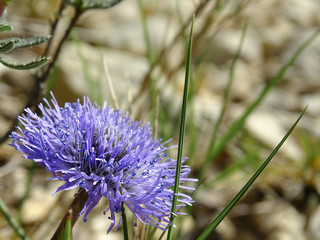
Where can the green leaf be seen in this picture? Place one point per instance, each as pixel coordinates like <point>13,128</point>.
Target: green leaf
<point>224,213</point>
<point>94,4</point>
<point>7,46</point>
<point>75,3</point>
<point>181,134</point>
<point>83,5</point>
<point>5,41</point>
<point>28,42</point>
<point>36,63</point>
<point>5,27</point>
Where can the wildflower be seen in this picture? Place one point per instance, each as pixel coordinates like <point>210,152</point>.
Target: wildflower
<point>99,150</point>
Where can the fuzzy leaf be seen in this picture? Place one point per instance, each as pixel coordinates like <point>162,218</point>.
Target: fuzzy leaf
<point>99,4</point>
<point>92,4</point>
<point>5,41</point>
<point>5,27</point>
<point>36,63</point>
<point>28,42</point>
<point>76,3</point>
<point>7,46</point>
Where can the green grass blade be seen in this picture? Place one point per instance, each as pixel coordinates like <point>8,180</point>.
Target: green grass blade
<point>228,88</point>
<point>181,135</point>
<point>13,223</point>
<point>76,207</point>
<point>27,189</point>
<point>238,124</point>
<point>146,34</point>
<point>66,231</point>
<point>221,216</point>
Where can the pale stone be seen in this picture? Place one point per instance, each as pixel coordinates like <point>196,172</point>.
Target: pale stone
<point>38,205</point>
<point>269,128</point>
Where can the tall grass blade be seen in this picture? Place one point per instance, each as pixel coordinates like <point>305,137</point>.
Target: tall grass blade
<point>181,135</point>
<point>228,88</point>
<point>221,216</point>
<point>238,124</point>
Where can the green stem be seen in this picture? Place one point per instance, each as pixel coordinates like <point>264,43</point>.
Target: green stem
<point>27,189</point>
<point>13,223</point>
<point>206,233</point>
<point>124,219</point>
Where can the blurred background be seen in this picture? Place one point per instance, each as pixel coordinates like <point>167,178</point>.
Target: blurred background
<point>142,44</point>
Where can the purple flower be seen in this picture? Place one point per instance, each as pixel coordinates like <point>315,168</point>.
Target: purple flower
<point>99,150</point>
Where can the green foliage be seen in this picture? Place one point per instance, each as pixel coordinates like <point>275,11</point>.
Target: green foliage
<point>28,42</point>
<point>181,133</point>
<point>24,66</point>
<point>5,27</point>
<point>238,124</point>
<point>10,44</point>
<point>245,188</point>
<point>166,118</point>
<point>92,4</point>
<point>7,45</point>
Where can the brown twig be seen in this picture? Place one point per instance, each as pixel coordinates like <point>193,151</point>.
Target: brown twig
<point>54,25</point>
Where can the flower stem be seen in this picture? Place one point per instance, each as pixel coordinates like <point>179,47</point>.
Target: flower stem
<point>76,207</point>
<point>124,219</point>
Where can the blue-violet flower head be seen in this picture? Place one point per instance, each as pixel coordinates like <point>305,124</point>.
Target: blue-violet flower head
<point>99,150</point>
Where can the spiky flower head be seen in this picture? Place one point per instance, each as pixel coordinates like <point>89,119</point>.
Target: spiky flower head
<point>101,150</point>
